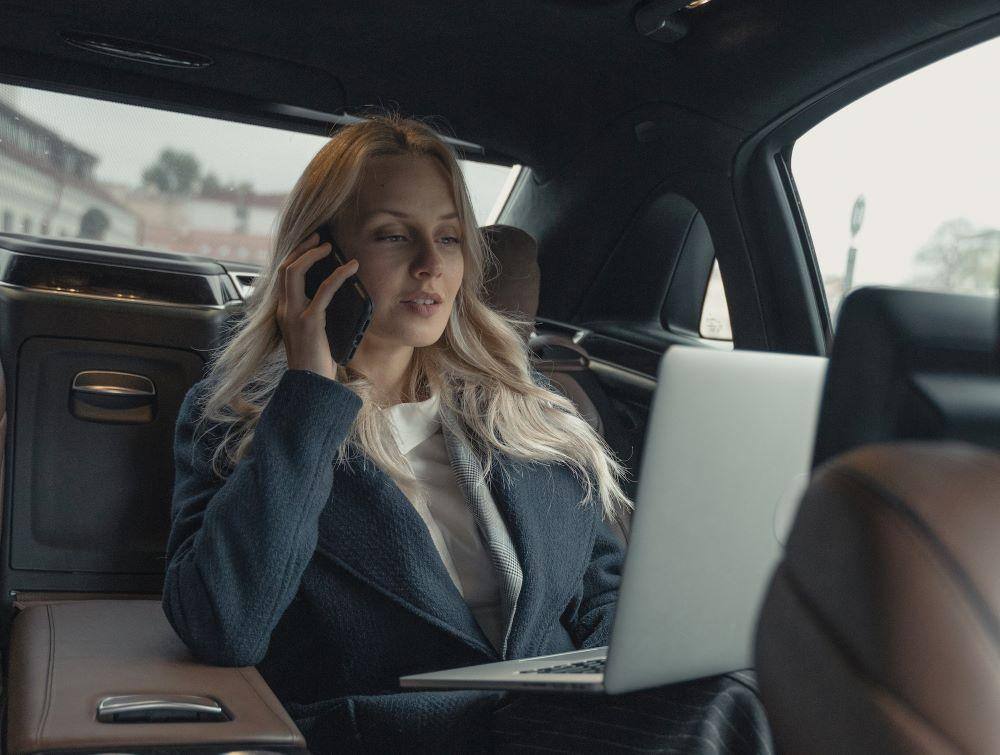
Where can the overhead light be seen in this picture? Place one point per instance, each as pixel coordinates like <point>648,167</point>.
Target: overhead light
<point>697,4</point>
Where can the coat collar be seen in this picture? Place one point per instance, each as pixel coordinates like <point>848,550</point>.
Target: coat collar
<point>370,529</point>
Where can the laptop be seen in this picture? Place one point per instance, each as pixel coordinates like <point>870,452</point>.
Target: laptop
<point>726,459</point>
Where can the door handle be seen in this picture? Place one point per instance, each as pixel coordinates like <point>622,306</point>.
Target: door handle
<point>113,397</point>
<point>159,709</point>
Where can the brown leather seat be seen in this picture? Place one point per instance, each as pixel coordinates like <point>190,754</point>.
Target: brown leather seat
<point>880,632</point>
<point>514,287</point>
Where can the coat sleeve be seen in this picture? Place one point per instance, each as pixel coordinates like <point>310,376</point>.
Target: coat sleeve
<point>592,609</point>
<point>238,547</point>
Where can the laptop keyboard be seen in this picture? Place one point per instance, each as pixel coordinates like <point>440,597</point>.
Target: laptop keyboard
<point>595,666</point>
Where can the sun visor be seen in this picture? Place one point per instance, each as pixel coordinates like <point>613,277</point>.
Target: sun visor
<point>70,53</point>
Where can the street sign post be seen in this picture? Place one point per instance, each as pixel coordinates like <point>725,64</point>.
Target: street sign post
<point>857,218</point>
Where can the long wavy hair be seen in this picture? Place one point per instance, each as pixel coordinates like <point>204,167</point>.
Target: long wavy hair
<point>480,366</point>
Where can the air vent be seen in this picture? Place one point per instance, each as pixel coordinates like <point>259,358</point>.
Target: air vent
<point>134,50</point>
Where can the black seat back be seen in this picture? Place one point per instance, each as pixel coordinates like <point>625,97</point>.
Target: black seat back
<point>100,347</point>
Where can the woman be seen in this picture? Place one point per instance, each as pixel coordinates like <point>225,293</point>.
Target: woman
<point>432,504</point>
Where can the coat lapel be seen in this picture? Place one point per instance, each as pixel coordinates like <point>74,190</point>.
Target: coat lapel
<point>371,529</point>
<point>553,536</point>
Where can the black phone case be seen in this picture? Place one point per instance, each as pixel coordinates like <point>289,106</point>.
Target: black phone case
<point>350,310</point>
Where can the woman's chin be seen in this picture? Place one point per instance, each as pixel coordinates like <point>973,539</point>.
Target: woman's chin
<point>422,334</point>
<point>426,339</point>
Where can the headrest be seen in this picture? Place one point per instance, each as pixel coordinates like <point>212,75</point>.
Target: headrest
<point>881,629</point>
<point>513,286</point>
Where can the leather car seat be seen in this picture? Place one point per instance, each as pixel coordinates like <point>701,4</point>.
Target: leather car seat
<point>880,632</point>
<point>514,287</point>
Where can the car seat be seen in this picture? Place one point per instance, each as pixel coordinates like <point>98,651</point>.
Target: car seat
<point>880,631</point>
<point>513,286</point>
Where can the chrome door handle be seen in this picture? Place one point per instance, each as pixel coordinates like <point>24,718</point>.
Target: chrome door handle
<point>159,709</point>
<point>109,383</point>
<point>117,398</point>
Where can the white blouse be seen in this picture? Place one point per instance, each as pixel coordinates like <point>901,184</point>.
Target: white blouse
<point>441,504</point>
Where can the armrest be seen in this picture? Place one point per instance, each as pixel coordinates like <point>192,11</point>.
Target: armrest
<point>68,657</point>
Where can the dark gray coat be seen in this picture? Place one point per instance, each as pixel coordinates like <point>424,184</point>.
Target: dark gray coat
<point>328,580</point>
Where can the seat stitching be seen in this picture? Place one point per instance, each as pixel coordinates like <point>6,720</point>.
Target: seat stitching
<point>49,672</point>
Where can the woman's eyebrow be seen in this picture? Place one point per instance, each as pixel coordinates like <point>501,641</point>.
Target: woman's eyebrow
<point>398,214</point>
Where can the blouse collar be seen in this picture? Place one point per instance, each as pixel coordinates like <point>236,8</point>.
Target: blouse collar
<point>414,422</point>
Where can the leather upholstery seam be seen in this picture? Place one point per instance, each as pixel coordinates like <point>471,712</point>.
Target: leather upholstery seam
<point>50,670</point>
<point>853,663</point>
<point>891,501</point>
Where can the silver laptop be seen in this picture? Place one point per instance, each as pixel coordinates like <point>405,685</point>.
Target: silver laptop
<point>727,456</point>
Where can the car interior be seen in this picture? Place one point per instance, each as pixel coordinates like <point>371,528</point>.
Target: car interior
<point>651,173</point>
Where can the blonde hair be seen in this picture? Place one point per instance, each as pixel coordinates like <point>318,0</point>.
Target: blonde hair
<point>480,366</point>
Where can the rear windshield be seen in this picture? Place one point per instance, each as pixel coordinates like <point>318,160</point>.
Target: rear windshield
<point>82,168</point>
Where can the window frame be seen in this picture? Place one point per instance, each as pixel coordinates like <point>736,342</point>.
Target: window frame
<point>782,246</point>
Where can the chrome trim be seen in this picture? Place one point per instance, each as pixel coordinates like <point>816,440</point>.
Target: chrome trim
<point>114,390</point>
<point>243,289</point>
<point>623,375</point>
<point>137,51</point>
<point>120,300</point>
<point>110,706</point>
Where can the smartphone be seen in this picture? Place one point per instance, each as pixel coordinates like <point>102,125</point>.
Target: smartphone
<point>350,310</point>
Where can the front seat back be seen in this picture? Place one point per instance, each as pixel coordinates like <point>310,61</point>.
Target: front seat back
<point>881,628</point>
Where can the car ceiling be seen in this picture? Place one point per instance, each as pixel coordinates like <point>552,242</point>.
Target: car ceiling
<point>529,80</point>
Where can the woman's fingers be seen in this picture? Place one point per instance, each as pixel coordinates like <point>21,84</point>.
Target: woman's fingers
<point>330,286</point>
<point>308,243</point>
<point>303,323</point>
<point>295,277</point>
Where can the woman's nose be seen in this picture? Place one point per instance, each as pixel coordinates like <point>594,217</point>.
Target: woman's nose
<point>429,257</point>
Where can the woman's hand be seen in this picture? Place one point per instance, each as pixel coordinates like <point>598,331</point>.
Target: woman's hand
<point>302,321</point>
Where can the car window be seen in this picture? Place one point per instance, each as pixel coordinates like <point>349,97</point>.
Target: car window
<point>902,187</point>
<point>81,168</point>
<point>715,311</point>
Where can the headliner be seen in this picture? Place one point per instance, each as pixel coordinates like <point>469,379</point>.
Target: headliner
<point>531,81</point>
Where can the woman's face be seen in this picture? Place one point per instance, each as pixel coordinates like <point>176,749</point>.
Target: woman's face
<point>405,233</point>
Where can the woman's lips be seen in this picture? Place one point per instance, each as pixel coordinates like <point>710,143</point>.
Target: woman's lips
<point>424,310</point>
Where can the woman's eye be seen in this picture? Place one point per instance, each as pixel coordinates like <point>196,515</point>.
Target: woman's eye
<point>451,240</point>
<point>392,237</point>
